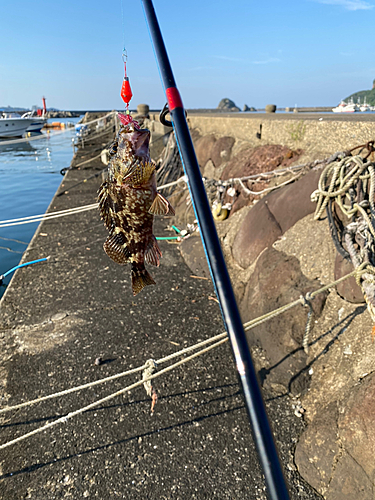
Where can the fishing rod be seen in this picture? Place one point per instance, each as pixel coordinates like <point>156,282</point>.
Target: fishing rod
<point>262,432</point>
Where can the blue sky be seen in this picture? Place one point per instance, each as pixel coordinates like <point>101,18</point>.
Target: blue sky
<point>304,52</point>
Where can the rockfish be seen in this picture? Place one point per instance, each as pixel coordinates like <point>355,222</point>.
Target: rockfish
<point>128,201</point>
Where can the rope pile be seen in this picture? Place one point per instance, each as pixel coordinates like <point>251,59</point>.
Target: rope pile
<point>346,191</point>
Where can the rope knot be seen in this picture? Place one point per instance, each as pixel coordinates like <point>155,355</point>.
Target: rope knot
<point>150,368</point>
<point>306,302</point>
<point>365,269</point>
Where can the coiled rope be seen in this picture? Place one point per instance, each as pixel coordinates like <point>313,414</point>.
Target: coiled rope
<point>340,182</point>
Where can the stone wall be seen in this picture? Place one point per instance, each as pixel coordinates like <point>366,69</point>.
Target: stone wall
<point>319,135</point>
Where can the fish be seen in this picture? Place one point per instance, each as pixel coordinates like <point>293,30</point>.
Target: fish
<point>128,200</point>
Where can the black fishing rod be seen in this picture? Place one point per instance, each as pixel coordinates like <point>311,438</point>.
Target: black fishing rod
<point>262,432</point>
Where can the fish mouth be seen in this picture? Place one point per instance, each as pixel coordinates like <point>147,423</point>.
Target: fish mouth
<point>138,138</point>
<point>141,141</point>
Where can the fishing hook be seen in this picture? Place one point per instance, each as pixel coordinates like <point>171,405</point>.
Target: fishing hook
<point>163,114</point>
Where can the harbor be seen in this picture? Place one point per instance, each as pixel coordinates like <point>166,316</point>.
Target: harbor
<point>72,320</point>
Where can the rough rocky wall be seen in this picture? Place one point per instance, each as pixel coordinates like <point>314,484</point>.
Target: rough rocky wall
<point>276,252</point>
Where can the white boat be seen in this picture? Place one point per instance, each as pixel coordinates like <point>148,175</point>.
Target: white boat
<point>38,121</point>
<point>39,118</point>
<point>13,125</point>
<point>364,107</point>
<point>344,107</point>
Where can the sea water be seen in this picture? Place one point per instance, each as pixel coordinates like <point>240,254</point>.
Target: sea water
<point>29,177</point>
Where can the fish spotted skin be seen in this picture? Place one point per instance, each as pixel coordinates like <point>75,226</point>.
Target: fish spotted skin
<point>128,201</point>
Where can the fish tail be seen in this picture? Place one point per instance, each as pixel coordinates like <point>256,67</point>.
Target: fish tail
<point>140,278</point>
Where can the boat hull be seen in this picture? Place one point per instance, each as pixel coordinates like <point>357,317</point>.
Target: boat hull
<point>14,127</point>
<point>37,125</point>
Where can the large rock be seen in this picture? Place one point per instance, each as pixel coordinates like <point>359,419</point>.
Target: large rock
<point>194,255</point>
<point>318,448</point>
<point>251,161</point>
<point>348,289</point>
<point>228,105</point>
<point>221,150</point>
<point>357,425</point>
<point>257,232</point>
<point>350,481</point>
<point>292,202</point>
<point>272,216</point>
<point>203,148</point>
<point>335,454</point>
<point>276,281</point>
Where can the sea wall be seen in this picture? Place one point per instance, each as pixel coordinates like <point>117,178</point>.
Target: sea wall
<point>317,134</point>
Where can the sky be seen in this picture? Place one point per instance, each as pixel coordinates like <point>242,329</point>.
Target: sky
<point>291,52</point>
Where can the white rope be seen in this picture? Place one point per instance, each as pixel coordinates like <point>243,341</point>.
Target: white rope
<point>88,161</point>
<point>111,396</point>
<point>181,179</point>
<point>111,113</point>
<point>53,134</point>
<point>114,377</point>
<point>62,213</point>
<point>249,191</point>
<point>223,338</point>
<point>273,172</point>
<point>247,326</point>
<point>36,138</point>
<point>50,215</point>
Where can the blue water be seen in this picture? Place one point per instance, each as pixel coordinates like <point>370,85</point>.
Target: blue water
<point>29,178</point>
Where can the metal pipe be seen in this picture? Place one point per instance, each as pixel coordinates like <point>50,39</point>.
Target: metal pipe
<point>262,433</point>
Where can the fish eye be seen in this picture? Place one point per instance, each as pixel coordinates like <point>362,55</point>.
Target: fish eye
<point>113,148</point>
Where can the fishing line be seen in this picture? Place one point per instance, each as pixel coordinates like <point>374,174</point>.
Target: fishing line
<point>12,239</point>
<point>10,250</point>
<point>126,92</point>
<point>123,24</point>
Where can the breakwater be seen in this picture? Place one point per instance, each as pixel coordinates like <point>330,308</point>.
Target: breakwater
<point>318,134</point>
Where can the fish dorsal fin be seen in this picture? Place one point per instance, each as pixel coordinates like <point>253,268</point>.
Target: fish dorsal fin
<point>140,279</point>
<point>153,253</point>
<point>115,247</point>
<point>104,202</point>
<point>139,173</point>
<point>130,172</point>
<point>161,206</point>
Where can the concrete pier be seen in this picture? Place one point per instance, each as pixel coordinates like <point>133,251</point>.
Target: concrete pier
<point>74,320</point>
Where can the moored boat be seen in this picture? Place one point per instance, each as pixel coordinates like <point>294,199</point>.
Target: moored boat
<point>344,107</point>
<point>39,118</point>
<point>13,125</point>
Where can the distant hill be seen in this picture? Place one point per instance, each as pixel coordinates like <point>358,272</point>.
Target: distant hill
<point>11,109</point>
<point>369,94</point>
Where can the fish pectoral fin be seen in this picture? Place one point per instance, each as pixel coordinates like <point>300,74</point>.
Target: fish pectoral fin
<point>161,206</point>
<point>153,253</point>
<point>140,278</point>
<point>116,249</point>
